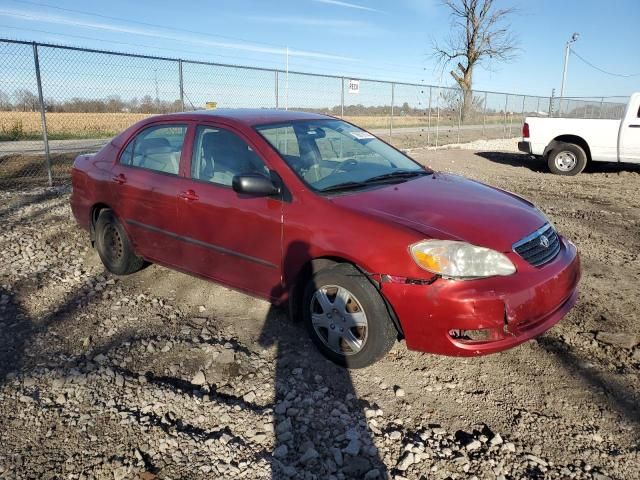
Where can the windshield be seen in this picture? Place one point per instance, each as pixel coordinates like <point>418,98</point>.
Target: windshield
<point>331,154</point>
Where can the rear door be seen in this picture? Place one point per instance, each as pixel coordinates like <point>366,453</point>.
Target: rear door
<point>146,182</point>
<point>232,238</point>
<point>630,135</point>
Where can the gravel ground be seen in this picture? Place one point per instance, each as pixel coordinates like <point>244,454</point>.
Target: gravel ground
<point>161,375</point>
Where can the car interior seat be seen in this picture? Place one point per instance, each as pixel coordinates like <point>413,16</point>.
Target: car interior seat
<point>157,154</point>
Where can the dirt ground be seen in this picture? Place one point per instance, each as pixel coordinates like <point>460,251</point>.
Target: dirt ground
<point>161,375</point>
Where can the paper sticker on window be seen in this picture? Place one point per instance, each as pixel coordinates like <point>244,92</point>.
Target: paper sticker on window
<point>361,135</point>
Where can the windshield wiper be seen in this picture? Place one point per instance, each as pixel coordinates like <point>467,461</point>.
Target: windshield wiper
<point>398,174</point>
<point>344,186</point>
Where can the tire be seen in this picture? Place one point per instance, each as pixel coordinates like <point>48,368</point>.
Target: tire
<point>567,159</point>
<point>357,346</point>
<point>114,247</point>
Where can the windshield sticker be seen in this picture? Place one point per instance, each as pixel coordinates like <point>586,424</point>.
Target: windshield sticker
<point>361,135</point>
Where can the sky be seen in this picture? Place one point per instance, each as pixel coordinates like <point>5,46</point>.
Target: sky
<point>377,39</point>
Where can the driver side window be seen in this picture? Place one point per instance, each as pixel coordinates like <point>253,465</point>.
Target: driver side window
<point>219,155</point>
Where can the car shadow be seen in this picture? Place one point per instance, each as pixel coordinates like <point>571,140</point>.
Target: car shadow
<point>539,165</point>
<point>515,160</point>
<point>319,422</point>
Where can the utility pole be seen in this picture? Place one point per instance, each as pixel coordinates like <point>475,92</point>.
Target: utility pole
<point>567,49</point>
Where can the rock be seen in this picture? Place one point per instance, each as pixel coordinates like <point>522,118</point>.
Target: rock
<point>226,357</point>
<point>356,467</point>
<point>284,426</point>
<point>620,339</point>
<point>309,455</point>
<point>405,461</point>
<point>399,391</point>
<point>281,451</point>
<point>372,474</point>
<point>337,456</point>
<point>496,440</point>
<point>536,460</point>
<point>353,448</point>
<point>199,378</point>
<point>249,397</point>
<point>100,358</point>
<point>395,435</point>
<point>473,445</point>
<point>509,447</point>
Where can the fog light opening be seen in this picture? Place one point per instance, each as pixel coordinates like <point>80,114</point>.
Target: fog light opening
<point>480,335</point>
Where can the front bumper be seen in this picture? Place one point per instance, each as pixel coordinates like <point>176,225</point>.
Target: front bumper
<point>524,147</point>
<point>508,310</point>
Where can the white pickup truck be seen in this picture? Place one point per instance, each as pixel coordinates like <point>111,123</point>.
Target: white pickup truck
<point>568,144</point>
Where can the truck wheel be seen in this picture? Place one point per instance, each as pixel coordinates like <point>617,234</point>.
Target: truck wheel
<point>567,159</point>
<point>347,318</point>
<point>114,247</point>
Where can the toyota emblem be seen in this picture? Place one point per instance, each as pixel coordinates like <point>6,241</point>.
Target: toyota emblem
<point>544,241</point>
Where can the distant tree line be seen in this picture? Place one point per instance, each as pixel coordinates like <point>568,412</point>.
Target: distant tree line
<point>24,100</point>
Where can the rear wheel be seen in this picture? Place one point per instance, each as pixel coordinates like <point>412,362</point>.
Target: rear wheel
<point>567,159</point>
<point>347,318</point>
<point>114,247</point>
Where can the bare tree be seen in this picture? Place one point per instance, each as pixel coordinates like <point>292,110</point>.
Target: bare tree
<point>479,34</point>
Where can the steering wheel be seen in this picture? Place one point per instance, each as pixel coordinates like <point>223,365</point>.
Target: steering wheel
<point>347,166</point>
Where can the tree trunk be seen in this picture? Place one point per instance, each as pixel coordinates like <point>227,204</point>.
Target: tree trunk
<point>467,104</point>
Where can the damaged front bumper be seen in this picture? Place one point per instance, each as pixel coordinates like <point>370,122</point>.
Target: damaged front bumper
<point>478,317</point>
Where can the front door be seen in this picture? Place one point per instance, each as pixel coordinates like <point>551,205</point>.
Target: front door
<point>146,184</point>
<point>234,239</point>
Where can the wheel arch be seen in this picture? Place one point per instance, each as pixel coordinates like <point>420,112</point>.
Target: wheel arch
<point>320,263</point>
<point>93,218</point>
<point>575,139</point>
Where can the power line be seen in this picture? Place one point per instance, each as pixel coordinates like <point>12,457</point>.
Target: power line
<point>262,62</point>
<point>197,32</point>
<point>602,70</point>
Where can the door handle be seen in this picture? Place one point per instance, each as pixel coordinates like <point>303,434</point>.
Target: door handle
<point>189,196</point>
<point>634,125</point>
<point>120,178</point>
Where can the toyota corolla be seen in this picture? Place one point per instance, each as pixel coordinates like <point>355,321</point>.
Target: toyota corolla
<point>362,243</point>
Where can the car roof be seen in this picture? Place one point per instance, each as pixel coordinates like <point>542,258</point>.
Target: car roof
<point>247,116</point>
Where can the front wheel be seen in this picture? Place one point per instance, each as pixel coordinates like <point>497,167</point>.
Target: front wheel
<point>567,159</point>
<point>347,318</point>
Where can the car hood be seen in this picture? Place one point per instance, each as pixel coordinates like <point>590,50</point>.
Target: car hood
<point>446,206</point>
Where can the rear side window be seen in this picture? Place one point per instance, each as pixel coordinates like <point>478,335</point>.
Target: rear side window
<point>156,148</point>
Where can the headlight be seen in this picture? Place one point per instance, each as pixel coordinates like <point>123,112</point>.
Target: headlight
<point>460,260</point>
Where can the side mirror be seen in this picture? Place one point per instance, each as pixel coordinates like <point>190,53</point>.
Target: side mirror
<point>254,184</point>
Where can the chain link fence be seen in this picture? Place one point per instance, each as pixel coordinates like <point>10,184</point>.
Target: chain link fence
<point>59,101</point>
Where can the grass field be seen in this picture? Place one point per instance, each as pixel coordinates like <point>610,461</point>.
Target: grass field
<point>60,126</point>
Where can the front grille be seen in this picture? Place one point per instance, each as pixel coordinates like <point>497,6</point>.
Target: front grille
<point>535,249</point>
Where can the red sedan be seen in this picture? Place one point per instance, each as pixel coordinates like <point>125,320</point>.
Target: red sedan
<point>363,243</point>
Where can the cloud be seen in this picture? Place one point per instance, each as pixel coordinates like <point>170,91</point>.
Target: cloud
<point>110,27</point>
<point>348,5</point>
<point>310,22</point>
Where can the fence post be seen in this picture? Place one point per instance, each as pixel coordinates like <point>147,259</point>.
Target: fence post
<point>524,98</point>
<point>276,85</point>
<point>601,105</point>
<point>342,99</point>
<point>181,83</point>
<point>460,113</point>
<point>484,115</point>
<point>393,88</point>
<point>438,125</point>
<point>538,107</point>
<point>429,124</point>
<point>43,115</point>
<point>506,104</point>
